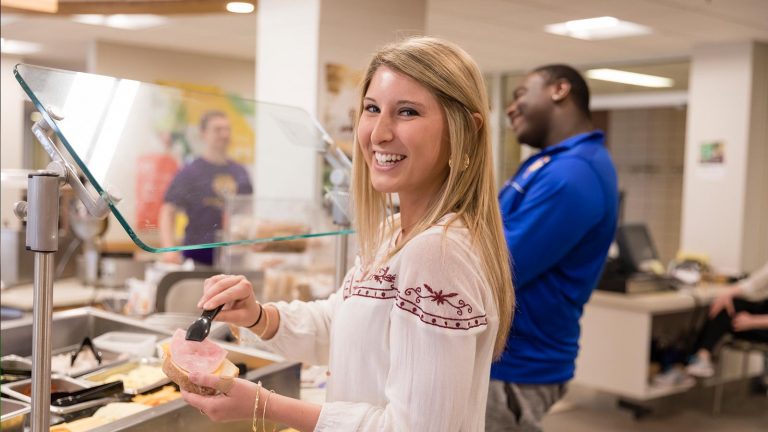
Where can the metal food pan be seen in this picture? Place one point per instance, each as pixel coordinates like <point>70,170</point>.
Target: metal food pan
<point>14,415</point>
<point>13,361</point>
<point>13,367</point>
<point>69,328</point>
<point>98,377</point>
<point>108,359</point>
<point>21,390</point>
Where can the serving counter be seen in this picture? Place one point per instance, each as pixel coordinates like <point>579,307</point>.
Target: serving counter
<point>71,326</point>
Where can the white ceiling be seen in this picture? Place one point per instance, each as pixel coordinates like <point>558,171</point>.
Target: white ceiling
<point>503,35</point>
<point>508,35</point>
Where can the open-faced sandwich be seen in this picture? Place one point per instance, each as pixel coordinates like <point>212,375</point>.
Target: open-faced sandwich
<point>182,357</point>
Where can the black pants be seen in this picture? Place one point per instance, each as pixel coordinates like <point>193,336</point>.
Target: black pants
<point>717,327</point>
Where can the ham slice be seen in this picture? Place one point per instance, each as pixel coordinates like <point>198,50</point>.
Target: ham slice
<point>203,357</point>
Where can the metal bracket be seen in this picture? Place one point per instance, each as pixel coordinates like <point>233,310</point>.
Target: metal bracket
<point>340,178</point>
<point>96,206</point>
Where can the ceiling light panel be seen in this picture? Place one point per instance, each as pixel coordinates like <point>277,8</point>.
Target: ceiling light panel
<point>605,27</point>
<point>240,7</point>
<point>122,21</point>
<point>10,46</point>
<point>632,78</point>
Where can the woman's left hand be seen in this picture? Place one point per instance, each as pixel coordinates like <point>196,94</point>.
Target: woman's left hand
<point>235,405</point>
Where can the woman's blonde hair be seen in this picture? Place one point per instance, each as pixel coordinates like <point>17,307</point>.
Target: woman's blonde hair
<point>455,80</point>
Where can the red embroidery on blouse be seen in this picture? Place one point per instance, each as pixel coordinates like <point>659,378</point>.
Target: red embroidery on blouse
<point>433,307</point>
<point>373,292</point>
<point>380,293</point>
<point>439,298</point>
<point>383,276</point>
<point>450,315</point>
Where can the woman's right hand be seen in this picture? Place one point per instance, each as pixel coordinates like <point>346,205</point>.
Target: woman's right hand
<point>236,294</point>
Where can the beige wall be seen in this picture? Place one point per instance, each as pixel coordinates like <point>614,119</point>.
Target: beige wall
<point>151,64</point>
<point>647,146</point>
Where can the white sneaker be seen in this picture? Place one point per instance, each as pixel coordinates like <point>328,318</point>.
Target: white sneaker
<point>700,368</point>
<point>673,377</point>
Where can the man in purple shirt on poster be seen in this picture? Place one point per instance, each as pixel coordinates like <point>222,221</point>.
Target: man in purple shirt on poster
<point>199,190</point>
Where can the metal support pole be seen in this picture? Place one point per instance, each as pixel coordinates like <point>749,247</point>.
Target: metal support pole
<point>41,340</point>
<point>42,212</point>
<point>342,247</point>
<point>339,197</point>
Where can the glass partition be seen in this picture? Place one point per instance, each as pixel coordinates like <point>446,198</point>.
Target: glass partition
<point>175,156</point>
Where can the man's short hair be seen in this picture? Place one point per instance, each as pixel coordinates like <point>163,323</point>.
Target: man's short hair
<point>208,116</point>
<point>579,88</point>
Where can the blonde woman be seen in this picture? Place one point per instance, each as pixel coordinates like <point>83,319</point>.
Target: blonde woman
<point>410,336</point>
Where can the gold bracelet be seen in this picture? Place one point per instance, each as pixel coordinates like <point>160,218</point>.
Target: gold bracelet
<point>264,413</point>
<point>255,420</point>
<point>266,325</point>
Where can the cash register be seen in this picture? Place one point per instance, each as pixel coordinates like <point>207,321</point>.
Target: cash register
<point>637,268</point>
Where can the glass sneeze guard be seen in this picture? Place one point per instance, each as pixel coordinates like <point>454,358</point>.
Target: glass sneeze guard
<point>175,155</point>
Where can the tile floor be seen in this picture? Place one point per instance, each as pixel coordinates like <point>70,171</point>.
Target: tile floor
<point>586,410</point>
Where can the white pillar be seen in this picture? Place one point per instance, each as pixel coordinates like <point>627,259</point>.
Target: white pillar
<point>287,44</point>
<point>725,205</point>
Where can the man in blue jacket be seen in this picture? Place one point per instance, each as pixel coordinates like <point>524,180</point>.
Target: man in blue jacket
<point>560,214</point>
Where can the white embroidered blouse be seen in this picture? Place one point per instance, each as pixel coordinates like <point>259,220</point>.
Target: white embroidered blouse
<point>409,346</point>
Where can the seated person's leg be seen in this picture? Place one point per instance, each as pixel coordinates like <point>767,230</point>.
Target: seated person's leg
<point>714,330</point>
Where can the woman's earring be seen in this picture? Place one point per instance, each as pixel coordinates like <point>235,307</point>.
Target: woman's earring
<point>465,165</point>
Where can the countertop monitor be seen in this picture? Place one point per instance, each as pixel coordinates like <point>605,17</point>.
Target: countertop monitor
<point>635,246</point>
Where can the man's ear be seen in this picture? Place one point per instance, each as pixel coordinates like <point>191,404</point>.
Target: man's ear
<point>478,121</point>
<point>561,90</point>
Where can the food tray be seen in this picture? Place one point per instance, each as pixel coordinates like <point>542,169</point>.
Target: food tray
<point>132,343</point>
<point>21,390</point>
<point>14,415</point>
<point>109,358</point>
<point>98,377</point>
<point>12,367</point>
<point>12,361</point>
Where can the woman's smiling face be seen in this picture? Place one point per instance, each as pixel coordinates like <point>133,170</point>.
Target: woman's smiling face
<point>403,136</point>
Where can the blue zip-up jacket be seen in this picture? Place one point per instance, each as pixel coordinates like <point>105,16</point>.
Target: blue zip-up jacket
<point>560,213</point>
